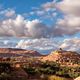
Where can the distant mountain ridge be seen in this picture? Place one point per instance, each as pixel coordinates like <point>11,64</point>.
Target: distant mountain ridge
<point>12,51</point>
<point>60,56</point>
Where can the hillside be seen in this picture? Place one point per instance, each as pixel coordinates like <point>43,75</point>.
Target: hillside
<point>20,52</point>
<point>62,56</point>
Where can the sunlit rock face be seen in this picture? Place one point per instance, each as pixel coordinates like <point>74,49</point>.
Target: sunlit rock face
<point>63,57</point>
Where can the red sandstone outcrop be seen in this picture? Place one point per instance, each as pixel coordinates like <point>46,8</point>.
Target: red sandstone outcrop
<point>19,51</point>
<point>62,57</point>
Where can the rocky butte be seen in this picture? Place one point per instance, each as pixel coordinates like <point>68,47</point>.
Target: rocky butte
<point>63,57</point>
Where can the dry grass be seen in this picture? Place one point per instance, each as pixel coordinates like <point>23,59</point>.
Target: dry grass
<point>57,78</point>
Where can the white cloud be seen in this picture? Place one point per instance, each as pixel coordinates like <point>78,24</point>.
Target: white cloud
<point>42,44</point>
<point>71,44</point>
<point>32,13</point>
<point>19,26</point>
<point>70,24</point>
<point>40,12</point>
<point>48,6</point>
<point>24,28</point>
<point>12,27</point>
<point>8,12</point>
<point>70,7</point>
<point>37,29</point>
<point>67,26</point>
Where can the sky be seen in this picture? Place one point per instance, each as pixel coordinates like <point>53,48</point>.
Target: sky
<point>26,23</point>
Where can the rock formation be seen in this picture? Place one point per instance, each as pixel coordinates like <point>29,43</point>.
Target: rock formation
<point>19,52</point>
<point>62,56</point>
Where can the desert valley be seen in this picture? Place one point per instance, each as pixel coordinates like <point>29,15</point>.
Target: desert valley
<point>31,65</point>
<point>39,39</point>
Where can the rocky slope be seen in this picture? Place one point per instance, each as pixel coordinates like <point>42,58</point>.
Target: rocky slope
<point>62,56</point>
<point>12,51</point>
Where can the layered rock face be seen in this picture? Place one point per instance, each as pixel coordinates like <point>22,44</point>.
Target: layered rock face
<point>19,52</point>
<point>62,56</point>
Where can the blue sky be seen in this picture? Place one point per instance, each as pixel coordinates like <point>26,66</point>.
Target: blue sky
<point>26,6</point>
<point>44,11</point>
<point>45,20</point>
<point>23,5</point>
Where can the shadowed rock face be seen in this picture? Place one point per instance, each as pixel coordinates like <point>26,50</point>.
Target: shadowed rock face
<point>19,52</point>
<point>63,56</point>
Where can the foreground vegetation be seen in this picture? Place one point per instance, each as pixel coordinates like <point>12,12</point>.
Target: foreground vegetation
<point>40,71</point>
<point>52,68</point>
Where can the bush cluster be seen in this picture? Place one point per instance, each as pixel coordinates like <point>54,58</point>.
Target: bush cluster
<point>52,68</point>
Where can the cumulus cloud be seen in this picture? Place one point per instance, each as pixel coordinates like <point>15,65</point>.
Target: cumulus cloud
<point>70,24</point>
<point>45,11</point>
<point>71,44</point>
<point>40,12</point>
<point>43,45</point>
<point>37,29</point>
<point>12,27</point>
<point>21,27</point>
<point>67,26</point>
<point>24,28</point>
<point>71,7</point>
<point>48,6</point>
